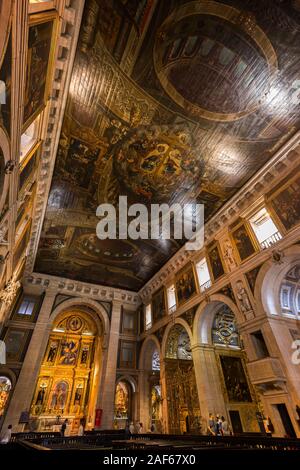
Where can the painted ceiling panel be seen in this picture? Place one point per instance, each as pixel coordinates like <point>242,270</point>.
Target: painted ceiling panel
<point>169,101</point>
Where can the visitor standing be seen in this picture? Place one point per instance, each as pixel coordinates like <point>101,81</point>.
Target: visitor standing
<point>6,436</point>
<point>80,430</point>
<point>225,427</point>
<point>211,428</point>
<point>131,428</point>
<point>63,427</point>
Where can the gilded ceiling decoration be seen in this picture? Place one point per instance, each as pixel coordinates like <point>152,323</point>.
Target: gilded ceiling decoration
<point>168,102</point>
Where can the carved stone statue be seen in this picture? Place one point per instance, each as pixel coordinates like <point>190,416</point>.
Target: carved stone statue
<point>229,255</point>
<point>2,237</point>
<point>8,294</point>
<point>243,297</point>
<point>277,256</point>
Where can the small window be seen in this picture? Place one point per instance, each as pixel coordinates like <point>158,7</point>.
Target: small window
<point>264,228</point>
<point>148,317</point>
<point>128,322</point>
<point>29,138</point>
<point>26,307</point>
<point>155,361</point>
<point>171,298</point>
<point>127,358</point>
<point>203,275</point>
<point>259,345</point>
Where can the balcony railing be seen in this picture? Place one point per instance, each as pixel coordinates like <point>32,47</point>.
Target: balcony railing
<point>271,240</point>
<point>205,286</point>
<point>172,309</point>
<point>266,370</point>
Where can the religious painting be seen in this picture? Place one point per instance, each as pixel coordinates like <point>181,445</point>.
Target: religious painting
<point>28,167</point>
<point>68,352</point>
<point>243,242</point>
<point>39,63</point>
<point>122,400</point>
<point>16,341</point>
<point>78,397</point>
<point>19,251</point>
<point>41,394</point>
<point>5,87</point>
<point>227,291</point>
<point>235,379</point>
<point>52,351</point>
<point>215,262</point>
<point>81,160</point>
<point>185,284</point>
<point>156,402</point>
<point>167,124</point>
<point>224,329</point>
<point>58,398</point>
<point>158,305</point>
<point>84,354</point>
<point>251,277</point>
<point>5,389</point>
<point>286,204</point>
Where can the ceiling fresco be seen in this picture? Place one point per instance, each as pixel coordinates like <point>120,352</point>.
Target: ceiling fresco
<point>169,101</point>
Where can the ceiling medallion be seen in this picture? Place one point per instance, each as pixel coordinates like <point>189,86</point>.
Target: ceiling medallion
<point>75,323</point>
<point>214,61</point>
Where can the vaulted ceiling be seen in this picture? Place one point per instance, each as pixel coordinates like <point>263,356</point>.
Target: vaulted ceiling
<point>169,101</point>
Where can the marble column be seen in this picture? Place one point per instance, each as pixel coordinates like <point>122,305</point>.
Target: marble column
<point>208,381</point>
<point>23,392</point>
<point>107,400</point>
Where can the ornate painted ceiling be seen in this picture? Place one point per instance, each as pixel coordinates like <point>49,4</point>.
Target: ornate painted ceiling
<point>169,101</point>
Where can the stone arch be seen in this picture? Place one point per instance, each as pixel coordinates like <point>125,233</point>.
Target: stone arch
<point>204,317</point>
<point>132,388</point>
<point>87,380</point>
<point>149,345</point>
<point>101,318</point>
<point>128,378</point>
<point>178,321</point>
<point>269,280</point>
<point>9,374</point>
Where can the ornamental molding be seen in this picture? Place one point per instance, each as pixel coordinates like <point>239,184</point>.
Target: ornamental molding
<point>8,294</point>
<point>69,287</point>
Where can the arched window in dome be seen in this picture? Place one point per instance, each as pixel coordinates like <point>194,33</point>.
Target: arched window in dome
<point>224,330</point>
<point>290,292</point>
<point>155,361</point>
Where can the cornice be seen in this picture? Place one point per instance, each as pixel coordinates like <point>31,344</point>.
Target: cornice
<point>79,289</point>
<point>69,26</point>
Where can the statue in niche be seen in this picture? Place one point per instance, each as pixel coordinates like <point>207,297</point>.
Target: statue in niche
<point>229,255</point>
<point>184,349</point>
<point>78,394</point>
<point>52,352</point>
<point>41,396</point>
<point>243,298</point>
